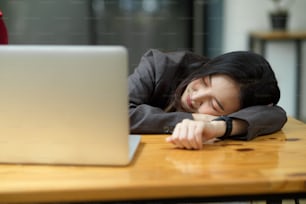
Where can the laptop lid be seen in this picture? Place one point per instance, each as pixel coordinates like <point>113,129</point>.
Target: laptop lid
<point>64,105</point>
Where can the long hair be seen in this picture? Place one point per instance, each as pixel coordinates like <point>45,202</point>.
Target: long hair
<point>254,75</point>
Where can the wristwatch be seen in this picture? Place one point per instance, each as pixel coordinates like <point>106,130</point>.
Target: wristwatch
<point>229,125</point>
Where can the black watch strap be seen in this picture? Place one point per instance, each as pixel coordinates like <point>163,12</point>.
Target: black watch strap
<point>229,125</point>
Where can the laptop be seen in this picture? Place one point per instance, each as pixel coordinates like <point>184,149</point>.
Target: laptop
<point>65,105</point>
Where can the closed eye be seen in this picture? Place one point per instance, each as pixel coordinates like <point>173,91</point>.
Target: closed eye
<point>216,105</point>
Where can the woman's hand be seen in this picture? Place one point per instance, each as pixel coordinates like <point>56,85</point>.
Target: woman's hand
<point>190,134</point>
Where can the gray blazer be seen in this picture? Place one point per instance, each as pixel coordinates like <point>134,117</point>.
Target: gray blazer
<point>151,87</point>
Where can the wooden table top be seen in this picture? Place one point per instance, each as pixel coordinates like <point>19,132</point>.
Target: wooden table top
<point>268,164</point>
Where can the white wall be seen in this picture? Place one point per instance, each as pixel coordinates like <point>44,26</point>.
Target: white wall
<point>243,16</point>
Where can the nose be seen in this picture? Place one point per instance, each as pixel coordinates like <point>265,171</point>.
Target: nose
<point>200,96</point>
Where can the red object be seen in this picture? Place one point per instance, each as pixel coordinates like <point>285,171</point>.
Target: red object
<point>3,31</point>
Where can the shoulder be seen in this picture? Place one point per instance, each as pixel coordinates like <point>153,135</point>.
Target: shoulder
<point>156,65</point>
<point>174,56</point>
<point>160,60</point>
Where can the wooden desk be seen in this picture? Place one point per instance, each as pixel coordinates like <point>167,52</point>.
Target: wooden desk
<point>268,166</point>
<point>297,38</point>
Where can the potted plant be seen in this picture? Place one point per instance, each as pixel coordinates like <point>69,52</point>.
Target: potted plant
<point>279,16</point>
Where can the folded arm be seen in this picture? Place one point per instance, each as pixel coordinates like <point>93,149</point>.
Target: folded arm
<point>247,124</point>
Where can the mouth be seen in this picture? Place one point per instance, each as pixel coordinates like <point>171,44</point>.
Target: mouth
<point>189,103</point>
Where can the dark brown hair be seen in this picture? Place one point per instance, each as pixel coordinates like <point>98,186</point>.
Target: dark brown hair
<point>253,73</point>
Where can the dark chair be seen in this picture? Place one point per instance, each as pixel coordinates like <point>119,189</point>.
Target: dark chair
<point>3,31</point>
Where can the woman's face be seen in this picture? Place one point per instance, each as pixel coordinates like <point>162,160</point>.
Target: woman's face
<point>213,95</point>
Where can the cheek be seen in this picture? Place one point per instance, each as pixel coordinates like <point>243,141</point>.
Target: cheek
<point>206,109</point>
<point>183,99</point>
<point>184,95</point>
<point>234,107</point>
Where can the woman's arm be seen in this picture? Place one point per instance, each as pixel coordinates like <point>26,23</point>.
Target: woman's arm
<point>145,119</point>
<point>261,120</point>
<point>251,122</point>
<point>247,124</point>
<point>239,127</point>
<point>190,134</point>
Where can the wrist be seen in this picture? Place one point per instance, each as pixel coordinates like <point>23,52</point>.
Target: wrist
<point>228,125</point>
<point>219,127</point>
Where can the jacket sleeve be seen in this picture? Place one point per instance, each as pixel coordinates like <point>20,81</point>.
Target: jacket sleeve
<point>143,87</point>
<point>146,119</point>
<point>262,120</point>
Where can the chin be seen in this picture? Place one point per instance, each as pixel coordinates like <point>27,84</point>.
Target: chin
<point>183,109</point>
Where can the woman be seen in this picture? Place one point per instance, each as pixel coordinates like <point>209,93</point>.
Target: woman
<point>185,94</point>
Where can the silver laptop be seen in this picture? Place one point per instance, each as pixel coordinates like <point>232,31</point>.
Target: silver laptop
<point>65,105</point>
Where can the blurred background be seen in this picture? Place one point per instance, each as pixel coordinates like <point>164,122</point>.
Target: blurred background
<point>207,27</point>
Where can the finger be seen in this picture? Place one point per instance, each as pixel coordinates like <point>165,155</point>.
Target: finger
<point>175,136</point>
<point>191,136</point>
<point>187,138</point>
<point>183,135</point>
<point>170,139</point>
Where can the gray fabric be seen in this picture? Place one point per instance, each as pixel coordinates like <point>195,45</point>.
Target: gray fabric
<point>151,87</point>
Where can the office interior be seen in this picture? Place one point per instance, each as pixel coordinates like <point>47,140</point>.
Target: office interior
<point>207,27</point>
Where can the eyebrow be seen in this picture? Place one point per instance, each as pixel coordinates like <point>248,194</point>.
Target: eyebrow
<point>218,102</point>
